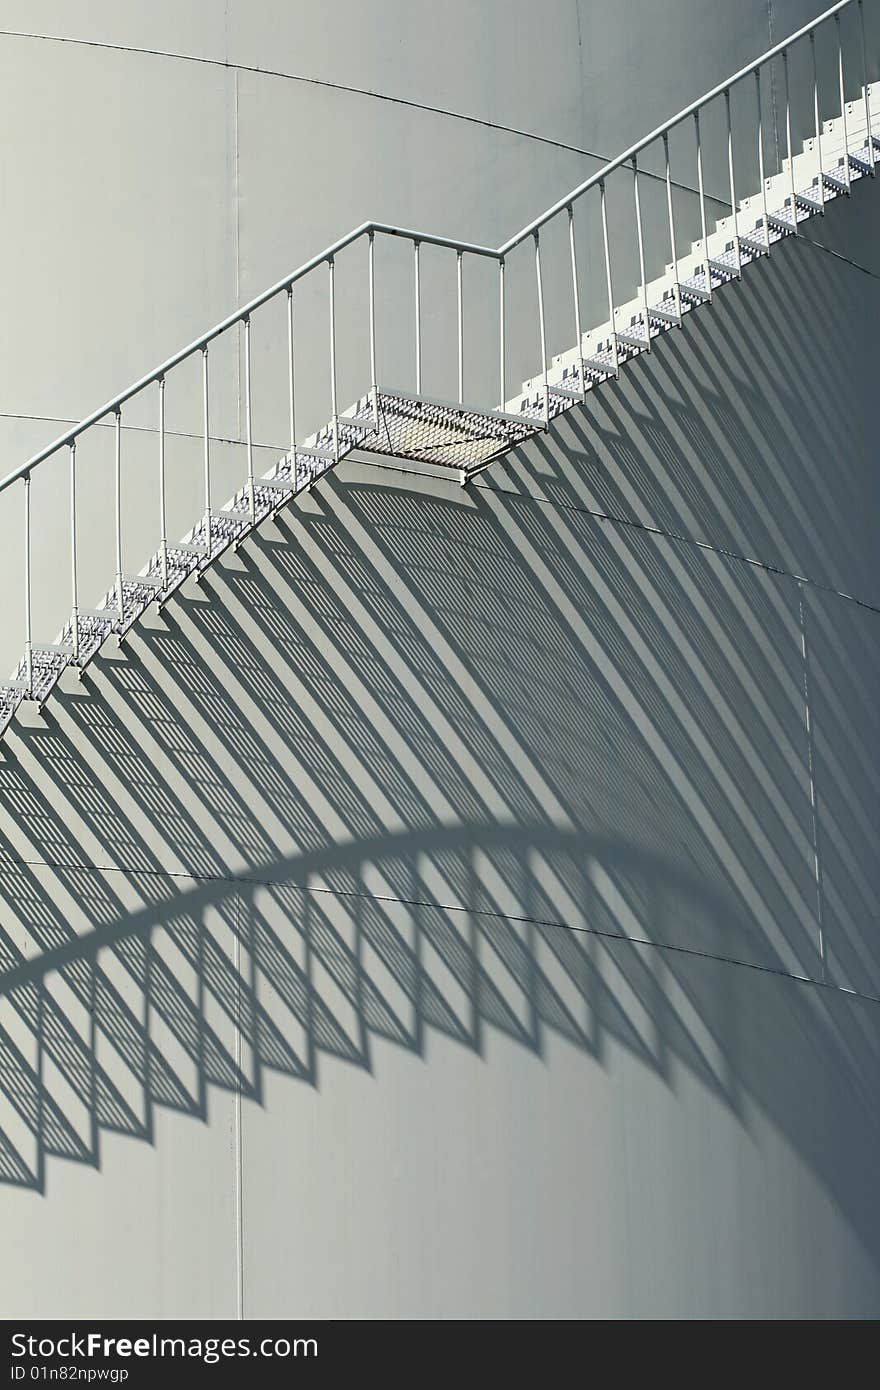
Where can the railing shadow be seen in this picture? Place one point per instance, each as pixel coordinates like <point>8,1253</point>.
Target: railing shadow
<point>427,761</point>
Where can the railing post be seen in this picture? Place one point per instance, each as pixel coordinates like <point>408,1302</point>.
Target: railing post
<point>761,171</point>
<point>607,250</point>
<point>291,388</point>
<point>868,131</point>
<point>842,87</point>
<point>248,417</point>
<point>576,300</point>
<point>732,185</point>
<point>28,629</point>
<point>702,193</point>
<point>163,528</point>
<point>120,598</point>
<point>641,246</point>
<point>460,328</point>
<point>333,404</point>
<point>206,448</point>
<point>418,296</point>
<point>788,143</point>
<point>816,122</point>
<point>502,363</point>
<point>541,325</point>
<point>669,211</point>
<point>372,286</point>
<point>74,612</point>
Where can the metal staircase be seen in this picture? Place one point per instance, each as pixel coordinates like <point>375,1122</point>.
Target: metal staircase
<point>461,436</point>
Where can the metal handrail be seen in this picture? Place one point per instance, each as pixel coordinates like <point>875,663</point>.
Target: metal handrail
<point>239,316</point>
<point>664,129</point>
<point>369,229</point>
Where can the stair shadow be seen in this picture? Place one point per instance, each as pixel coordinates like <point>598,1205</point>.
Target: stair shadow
<point>424,762</point>
<point>434,746</point>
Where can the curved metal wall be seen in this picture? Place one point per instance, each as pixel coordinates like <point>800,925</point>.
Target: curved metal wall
<point>457,868</point>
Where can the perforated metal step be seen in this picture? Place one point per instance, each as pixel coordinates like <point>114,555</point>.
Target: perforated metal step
<point>460,437</point>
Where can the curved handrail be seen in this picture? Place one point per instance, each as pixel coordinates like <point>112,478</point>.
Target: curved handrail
<point>497,253</point>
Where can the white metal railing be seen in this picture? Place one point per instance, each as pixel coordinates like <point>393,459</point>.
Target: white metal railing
<point>329,447</point>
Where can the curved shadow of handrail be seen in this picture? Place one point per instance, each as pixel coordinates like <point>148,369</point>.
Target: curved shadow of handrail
<point>422,761</point>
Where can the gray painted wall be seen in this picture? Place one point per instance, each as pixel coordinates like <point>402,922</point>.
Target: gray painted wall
<point>446,862</point>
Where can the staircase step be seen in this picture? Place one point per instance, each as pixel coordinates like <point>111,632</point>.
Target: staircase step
<point>147,581</point>
<point>277,484</point>
<point>630,340</point>
<point>664,315</point>
<point>598,364</point>
<point>695,291</point>
<point>347,420</point>
<point>757,248</point>
<point>781,224</point>
<point>864,166</point>
<point>182,548</point>
<point>307,451</point>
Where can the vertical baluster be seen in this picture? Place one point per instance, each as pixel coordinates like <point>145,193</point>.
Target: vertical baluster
<point>542,328</point>
<point>576,301</point>
<point>74,611</point>
<point>248,419</point>
<point>163,527</point>
<point>641,245</point>
<point>418,307</point>
<point>333,403</point>
<point>788,143</point>
<point>28,629</point>
<point>869,134</point>
<point>291,385</point>
<point>206,448</point>
<point>502,363</point>
<point>670,214</point>
<point>736,250</point>
<point>608,286</point>
<point>816,122</point>
<point>842,87</point>
<point>460,328</point>
<point>761,171</point>
<point>120,598</point>
<point>702,193</point>
<point>372,279</point>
